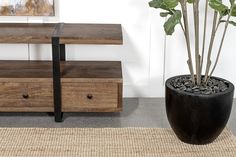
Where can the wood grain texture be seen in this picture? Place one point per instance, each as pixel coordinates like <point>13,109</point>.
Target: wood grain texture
<point>68,33</point>
<point>101,79</point>
<point>89,97</point>
<point>120,96</point>
<point>26,33</point>
<point>40,97</point>
<point>91,34</point>
<point>104,71</point>
<point>26,69</point>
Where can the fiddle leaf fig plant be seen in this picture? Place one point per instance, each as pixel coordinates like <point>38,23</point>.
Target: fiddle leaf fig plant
<point>222,15</point>
<point>173,20</point>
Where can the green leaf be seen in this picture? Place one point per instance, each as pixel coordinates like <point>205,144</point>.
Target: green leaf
<point>163,4</point>
<point>164,14</point>
<point>230,22</point>
<point>173,20</point>
<point>190,1</point>
<point>218,6</point>
<point>233,12</point>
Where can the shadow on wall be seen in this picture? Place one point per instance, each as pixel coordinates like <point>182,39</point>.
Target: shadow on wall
<point>38,50</point>
<point>136,67</point>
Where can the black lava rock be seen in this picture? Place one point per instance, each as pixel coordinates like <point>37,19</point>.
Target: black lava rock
<point>213,85</point>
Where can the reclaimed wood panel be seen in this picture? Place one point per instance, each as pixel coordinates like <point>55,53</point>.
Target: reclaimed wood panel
<point>68,33</point>
<point>91,34</point>
<point>101,79</point>
<point>28,71</point>
<point>26,97</point>
<point>105,71</point>
<point>26,33</point>
<point>120,96</point>
<point>89,97</point>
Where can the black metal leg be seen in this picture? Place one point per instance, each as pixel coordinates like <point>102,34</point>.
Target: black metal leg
<point>62,52</point>
<point>56,78</point>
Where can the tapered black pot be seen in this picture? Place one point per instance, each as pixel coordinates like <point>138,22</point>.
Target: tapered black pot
<point>195,118</point>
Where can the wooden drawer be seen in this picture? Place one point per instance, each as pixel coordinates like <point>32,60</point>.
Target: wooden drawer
<point>26,97</point>
<point>91,97</point>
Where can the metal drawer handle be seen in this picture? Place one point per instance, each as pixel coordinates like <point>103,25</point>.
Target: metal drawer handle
<point>25,96</point>
<point>90,96</point>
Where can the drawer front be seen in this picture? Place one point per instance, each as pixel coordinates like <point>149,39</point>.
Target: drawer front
<point>90,97</point>
<point>26,97</point>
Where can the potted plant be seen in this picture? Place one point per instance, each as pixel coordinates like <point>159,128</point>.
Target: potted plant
<point>198,105</point>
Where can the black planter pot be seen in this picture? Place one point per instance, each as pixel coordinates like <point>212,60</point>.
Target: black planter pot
<point>195,118</point>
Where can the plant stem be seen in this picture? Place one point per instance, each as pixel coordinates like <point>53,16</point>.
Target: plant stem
<point>213,32</point>
<point>221,43</point>
<point>181,24</point>
<point>204,36</point>
<point>218,24</point>
<point>196,28</point>
<point>186,33</point>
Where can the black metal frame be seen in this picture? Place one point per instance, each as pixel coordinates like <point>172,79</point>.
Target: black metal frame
<point>62,52</point>
<point>58,53</point>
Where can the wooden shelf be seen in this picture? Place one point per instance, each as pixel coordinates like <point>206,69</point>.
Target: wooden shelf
<point>86,86</point>
<point>68,33</point>
<point>70,71</point>
<point>26,33</point>
<point>59,85</point>
<point>91,34</point>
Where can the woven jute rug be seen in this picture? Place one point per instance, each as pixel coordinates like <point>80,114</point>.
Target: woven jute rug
<point>123,142</point>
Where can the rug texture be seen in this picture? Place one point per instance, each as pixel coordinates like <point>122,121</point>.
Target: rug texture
<point>106,142</point>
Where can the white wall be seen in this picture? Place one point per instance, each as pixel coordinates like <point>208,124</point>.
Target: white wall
<point>145,65</point>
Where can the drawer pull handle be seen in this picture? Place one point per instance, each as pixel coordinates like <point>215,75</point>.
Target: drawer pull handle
<point>25,96</point>
<point>90,96</point>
